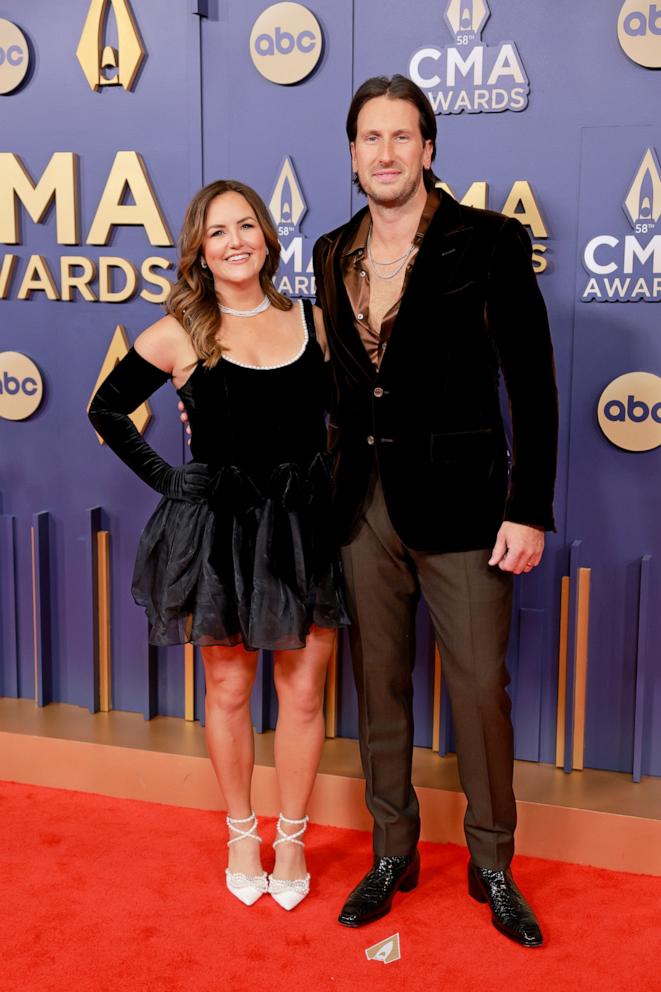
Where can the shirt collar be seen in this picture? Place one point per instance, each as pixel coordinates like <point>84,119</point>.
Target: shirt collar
<point>358,244</point>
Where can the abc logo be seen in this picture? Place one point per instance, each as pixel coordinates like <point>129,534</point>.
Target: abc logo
<point>13,56</point>
<point>629,411</point>
<point>637,24</point>
<point>639,32</point>
<point>21,388</point>
<point>286,43</point>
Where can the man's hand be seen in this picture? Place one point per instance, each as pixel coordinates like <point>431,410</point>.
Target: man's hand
<point>183,417</point>
<point>518,548</point>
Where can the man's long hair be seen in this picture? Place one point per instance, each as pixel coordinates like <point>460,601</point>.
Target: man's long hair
<point>396,88</point>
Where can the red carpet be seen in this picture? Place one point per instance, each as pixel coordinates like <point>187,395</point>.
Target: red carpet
<point>109,895</point>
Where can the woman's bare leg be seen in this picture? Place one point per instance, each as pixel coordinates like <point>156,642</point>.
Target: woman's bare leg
<point>299,736</point>
<point>230,675</point>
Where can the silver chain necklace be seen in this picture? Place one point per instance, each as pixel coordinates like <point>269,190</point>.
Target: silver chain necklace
<point>402,260</point>
<point>260,308</point>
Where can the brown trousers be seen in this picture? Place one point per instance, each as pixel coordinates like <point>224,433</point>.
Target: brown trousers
<point>470,606</point>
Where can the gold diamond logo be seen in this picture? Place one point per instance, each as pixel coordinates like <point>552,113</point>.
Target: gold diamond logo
<point>119,346</point>
<point>467,16</point>
<point>287,205</point>
<point>643,202</point>
<point>386,951</point>
<point>102,64</point>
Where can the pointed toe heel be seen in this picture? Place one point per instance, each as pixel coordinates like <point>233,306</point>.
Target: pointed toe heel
<point>288,893</point>
<point>247,888</point>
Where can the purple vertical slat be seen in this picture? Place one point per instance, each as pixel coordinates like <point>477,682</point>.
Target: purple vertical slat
<point>149,686</point>
<point>446,742</point>
<point>423,679</point>
<point>43,646</point>
<point>261,700</point>
<point>642,660</point>
<point>574,565</point>
<point>528,688</point>
<point>195,93</point>
<point>90,614</point>
<point>347,699</point>
<point>8,628</point>
<point>200,688</point>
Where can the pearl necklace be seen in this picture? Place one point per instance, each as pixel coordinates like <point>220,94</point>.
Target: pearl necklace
<point>260,308</point>
<point>402,260</point>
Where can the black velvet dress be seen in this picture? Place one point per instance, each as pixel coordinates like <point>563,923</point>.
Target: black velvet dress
<point>255,563</point>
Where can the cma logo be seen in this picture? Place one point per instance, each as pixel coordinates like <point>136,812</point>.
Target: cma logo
<point>287,204</point>
<point>386,951</point>
<point>639,32</point>
<point>629,411</point>
<point>286,43</point>
<point>118,349</point>
<point>629,268</point>
<point>466,19</point>
<point>288,208</point>
<point>469,75</point>
<point>643,201</point>
<point>105,65</point>
<point>21,386</point>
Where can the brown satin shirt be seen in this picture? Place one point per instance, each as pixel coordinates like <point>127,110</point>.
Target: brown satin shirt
<point>362,291</point>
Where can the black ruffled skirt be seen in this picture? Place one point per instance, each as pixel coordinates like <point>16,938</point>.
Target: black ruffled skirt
<point>251,567</point>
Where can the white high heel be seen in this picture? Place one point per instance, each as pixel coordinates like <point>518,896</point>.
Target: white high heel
<point>247,888</point>
<point>289,892</point>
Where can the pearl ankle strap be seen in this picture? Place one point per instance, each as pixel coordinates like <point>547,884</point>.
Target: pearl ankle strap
<point>250,834</point>
<point>284,838</point>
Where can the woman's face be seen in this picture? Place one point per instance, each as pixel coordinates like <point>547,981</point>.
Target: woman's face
<point>234,246</point>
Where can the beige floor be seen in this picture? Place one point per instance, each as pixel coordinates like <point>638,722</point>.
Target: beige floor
<point>592,817</point>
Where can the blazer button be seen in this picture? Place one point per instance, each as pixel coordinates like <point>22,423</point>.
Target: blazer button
<point>370,439</point>
<point>378,391</point>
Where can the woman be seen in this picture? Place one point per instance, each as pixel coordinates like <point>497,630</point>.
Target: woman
<point>236,556</point>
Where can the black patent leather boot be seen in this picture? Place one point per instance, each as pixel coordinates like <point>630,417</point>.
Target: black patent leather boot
<point>510,913</point>
<point>373,896</point>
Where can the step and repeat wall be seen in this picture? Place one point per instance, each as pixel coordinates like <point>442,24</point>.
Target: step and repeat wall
<point>114,112</point>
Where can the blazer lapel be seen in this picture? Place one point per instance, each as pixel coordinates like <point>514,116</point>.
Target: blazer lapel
<point>439,256</point>
<point>343,335</point>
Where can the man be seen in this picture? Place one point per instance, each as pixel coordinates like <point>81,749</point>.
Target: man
<point>425,303</point>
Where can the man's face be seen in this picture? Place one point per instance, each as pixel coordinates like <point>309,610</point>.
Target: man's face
<point>389,153</point>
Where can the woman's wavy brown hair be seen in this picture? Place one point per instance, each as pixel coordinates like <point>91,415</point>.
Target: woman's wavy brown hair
<point>192,300</point>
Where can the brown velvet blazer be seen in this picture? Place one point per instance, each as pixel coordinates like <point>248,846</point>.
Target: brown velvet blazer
<point>430,414</point>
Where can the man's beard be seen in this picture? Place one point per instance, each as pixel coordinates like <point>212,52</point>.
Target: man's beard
<point>382,198</point>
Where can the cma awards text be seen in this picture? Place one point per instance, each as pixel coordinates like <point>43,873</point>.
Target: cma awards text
<point>115,279</point>
<point>105,278</point>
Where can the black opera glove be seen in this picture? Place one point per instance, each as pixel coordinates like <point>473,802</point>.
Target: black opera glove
<point>131,382</point>
<point>188,482</point>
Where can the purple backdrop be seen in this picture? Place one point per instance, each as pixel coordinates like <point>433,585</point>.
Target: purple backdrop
<point>199,111</point>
